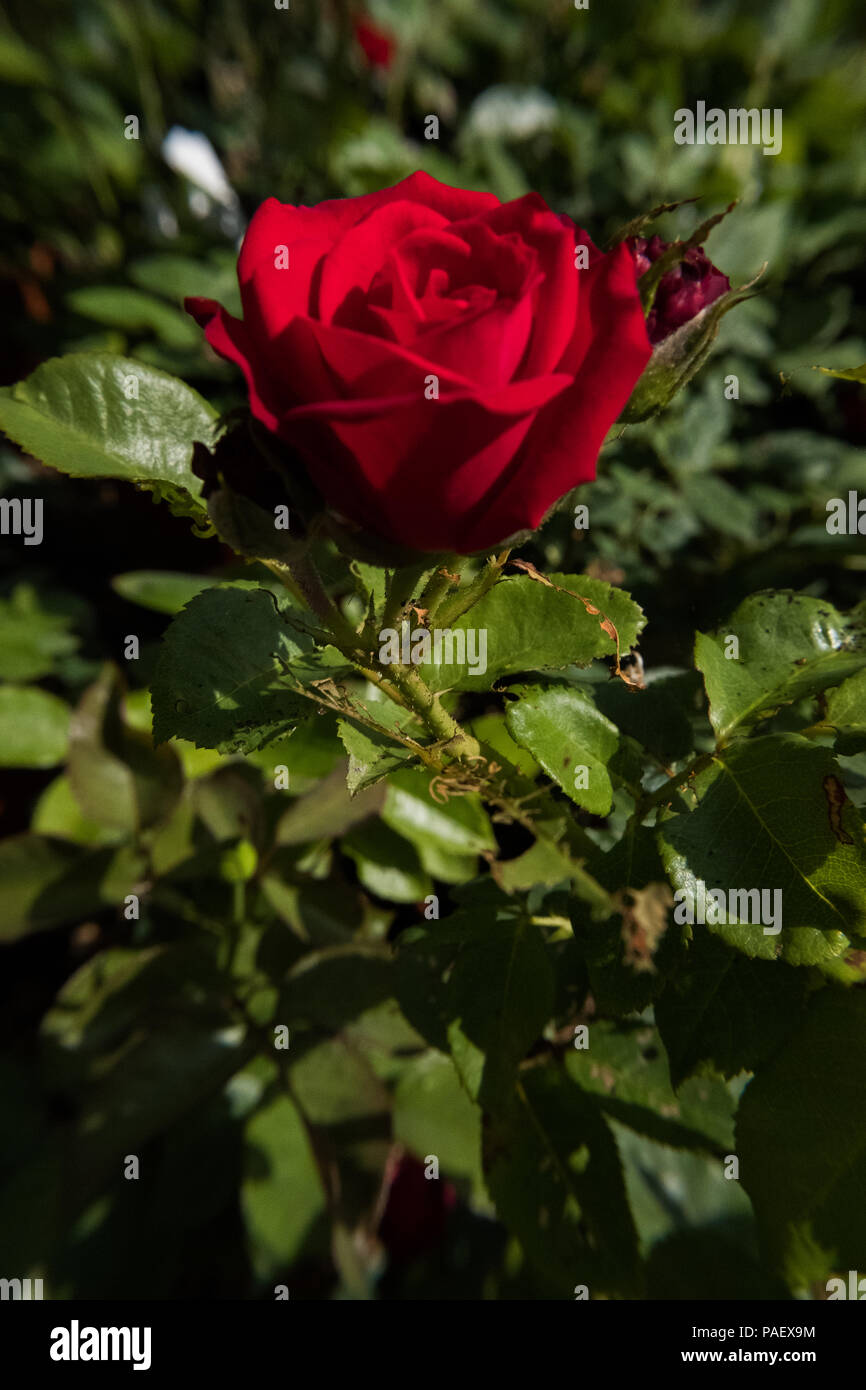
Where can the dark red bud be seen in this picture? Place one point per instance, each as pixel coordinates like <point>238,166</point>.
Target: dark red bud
<point>378,45</point>
<point>416,1209</point>
<point>684,291</point>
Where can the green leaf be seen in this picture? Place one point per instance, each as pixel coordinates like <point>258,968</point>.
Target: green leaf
<point>676,1193</point>
<point>133,311</point>
<point>847,373</point>
<point>310,752</point>
<point>722,507</point>
<point>846,711</point>
<point>333,986</point>
<point>556,1178</point>
<point>789,646</point>
<point>163,591</point>
<point>45,882</point>
<point>57,813</point>
<point>625,1066</point>
<point>423,958</point>
<point>177,277</point>
<point>531,627</point>
<point>371,755</point>
<point>31,639</point>
<point>544,862</point>
<point>387,864</point>
<point>319,914</point>
<point>117,776</point>
<point>764,822</point>
<point>570,738</point>
<point>457,826</point>
<point>500,997</point>
<point>433,1114</point>
<point>135,1039</point>
<point>801,1138</point>
<point>34,727</point>
<point>327,810</point>
<point>96,415</point>
<point>22,64</point>
<point>226,669</point>
<point>491,730</point>
<point>281,1193</point>
<point>626,870</point>
<point>335,1084</point>
<point>722,1009</point>
<point>657,717</point>
<point>709,1262</point>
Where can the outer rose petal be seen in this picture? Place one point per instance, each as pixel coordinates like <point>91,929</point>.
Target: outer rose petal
<point>230,338</point>
<point>400,465</point>
<point>609,350</point>
<point>406,467</point>
<point>272,297</point>
<point>413,471</point>
<point>453,203</point>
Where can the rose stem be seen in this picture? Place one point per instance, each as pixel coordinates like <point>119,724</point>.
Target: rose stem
<point>302,580</point>
<point>483,581</point>
<point>401,588</point>
<point>426,704</point>
<point>303,572</point>
<point>405,686</point>
<point>439,583</point>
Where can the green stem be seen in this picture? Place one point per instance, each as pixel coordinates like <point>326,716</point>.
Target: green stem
<point>302,580</point>
<point>324,1158</point>
<point>593,891</point>
<point>668,789</point>
<point>437,586</point>
<point>400,591</point>
<point>426,705</point>
<point>819,730</point>
<point>483,581</point>
<point>403,684</point>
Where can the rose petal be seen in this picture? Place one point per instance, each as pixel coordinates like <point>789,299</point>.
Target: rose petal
<point>609,351</point>
<point>415,480</point>
<point>230,338</point>
<point>357,258</point>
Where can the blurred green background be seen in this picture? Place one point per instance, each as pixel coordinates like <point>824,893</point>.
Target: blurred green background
<point>103,235</point>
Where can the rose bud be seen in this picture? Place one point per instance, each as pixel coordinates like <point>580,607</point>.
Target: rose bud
<point>686,303</point>
<point>444,366</point>
<point>688,287</point>
<point>377,44</point>
<point>416,1209</point>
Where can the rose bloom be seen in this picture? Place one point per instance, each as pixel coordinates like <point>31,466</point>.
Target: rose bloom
<point>436,358</point>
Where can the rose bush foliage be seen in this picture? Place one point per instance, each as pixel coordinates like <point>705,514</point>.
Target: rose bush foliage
<point>452,889</point>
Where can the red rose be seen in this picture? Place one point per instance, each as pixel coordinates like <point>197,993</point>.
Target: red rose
<point>378,45</point>
<point>358,311</point>
<point>684,291</point>
<point>416,1210</point>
